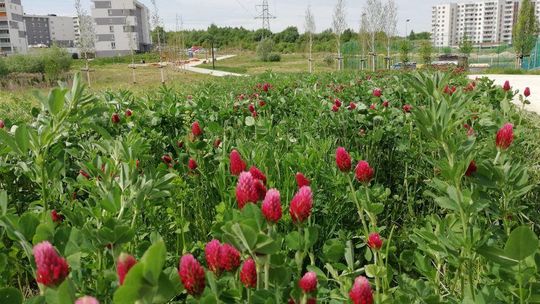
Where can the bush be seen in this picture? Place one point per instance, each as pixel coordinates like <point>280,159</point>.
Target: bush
<point>274,57</point>
<point>264,49</point>
<point>51,63</point>
<point>329,59</point>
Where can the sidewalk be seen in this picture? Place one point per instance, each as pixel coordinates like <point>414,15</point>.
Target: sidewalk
<point>191,66</point>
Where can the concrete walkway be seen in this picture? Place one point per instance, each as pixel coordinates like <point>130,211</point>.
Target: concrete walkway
<point>191,66</point>
<point>520,82</point>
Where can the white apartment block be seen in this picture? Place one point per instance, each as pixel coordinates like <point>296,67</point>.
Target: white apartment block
<point>484,22</point>
<point>121,26</point>
<point>12,28</point>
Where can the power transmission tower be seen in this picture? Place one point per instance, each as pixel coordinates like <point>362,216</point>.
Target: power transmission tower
<point>265,15</point>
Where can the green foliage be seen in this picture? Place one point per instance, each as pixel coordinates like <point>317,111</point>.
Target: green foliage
<point>466,46</point>
<point>426,51</point>
<point>405,49</point>
<point>53,63</point>
<point>264,49</point>
<point>447,50</point>
<point>525,31</point>
<point>274,57</point>
<point>447,237</point>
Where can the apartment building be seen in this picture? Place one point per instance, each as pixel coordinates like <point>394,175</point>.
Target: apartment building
<point>50,30</point>
<point>484,22</point>
<point>12,28</point>
<point>121,26</point>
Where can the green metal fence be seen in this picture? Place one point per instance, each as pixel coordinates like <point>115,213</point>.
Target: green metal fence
<point>532,62</point>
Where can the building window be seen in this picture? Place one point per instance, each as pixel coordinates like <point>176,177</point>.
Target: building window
<point>110,12</point>
<point>111,29</point>
<point>113,45</point>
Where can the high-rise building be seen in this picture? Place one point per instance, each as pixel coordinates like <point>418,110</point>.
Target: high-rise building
<point>483,22</point>
<point>121,26</point>
<point>50,30</point>
<point>12,28</point>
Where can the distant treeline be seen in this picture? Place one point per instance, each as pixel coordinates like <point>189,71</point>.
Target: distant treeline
<point>287,41</point>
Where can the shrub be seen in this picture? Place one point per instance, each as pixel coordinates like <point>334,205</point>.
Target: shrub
<point>274,57</point>
<point>264,49</point>
<point>329,59</point>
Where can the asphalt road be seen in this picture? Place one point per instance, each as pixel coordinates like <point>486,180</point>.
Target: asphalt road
<point>520,82</point>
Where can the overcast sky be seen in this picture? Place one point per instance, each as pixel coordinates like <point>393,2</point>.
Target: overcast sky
<point>198,14</point>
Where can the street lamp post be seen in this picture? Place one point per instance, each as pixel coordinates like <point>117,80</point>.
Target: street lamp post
<point>406,28</point>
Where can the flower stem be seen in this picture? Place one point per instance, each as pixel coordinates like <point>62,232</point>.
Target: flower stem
<point>359,207</point>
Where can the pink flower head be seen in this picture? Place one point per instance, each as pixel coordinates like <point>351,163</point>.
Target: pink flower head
<point>450,90</point>
<point>262,103</point>
<point>128,113</point>
<point>374,241</point>
<point>373,106</point>
<point>266,87</point>
<point>115,118</point>
<point>337,102</point>
<point>166,159</point>
<point>196,129</point>
<point>377,92</point>
<point>56,217</point>
<point>87,300</point>
<point>192,275</point>
<point>180,144</point>
<point>308,283</point>
<point>229,257</point>
<point>271,206</point>
<point>211,252</point>
<point>251,107</point>
<point>192,164</point>
<point>385,104</point>
<point>471,169</point>
<point>301,205</point>
<point>237,165</point>
<point>245,190</point>
<point>217,143</point>
<point>407,108</point>
<point>343,160</point>
<point>507,86</point>
<point>361,292</point>
<point>301,180</point>
<point>363,172</point>
<point>2,124</point>
<point>124,264</point>
<point>248,274</point>
<point>52,269</point>
<point>256,173</point>
<point>505,136</point>
<point>352,106</point>
<point>254,114</point>
<point>527,92</point>
<point>335,108</point>
<point>260,188</point>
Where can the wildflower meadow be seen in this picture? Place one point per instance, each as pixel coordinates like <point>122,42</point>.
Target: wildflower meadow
<point>390,187</point>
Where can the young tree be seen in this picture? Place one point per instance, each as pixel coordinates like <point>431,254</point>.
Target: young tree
<point>87,37</point>
<point>426,51</point>
<point>405,49</point>
<point>310,30</point>
<point>156,22</point>
<point>339,24</point>
<point>390,26</point>
<point>525,31</point>
<point>363,35</point>
<point>466,46</point>
<point>374,13</point>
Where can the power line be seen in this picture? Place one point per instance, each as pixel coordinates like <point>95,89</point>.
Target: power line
<point>245,8</point>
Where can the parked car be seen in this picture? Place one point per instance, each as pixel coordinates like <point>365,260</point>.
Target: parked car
<point>404,66</point>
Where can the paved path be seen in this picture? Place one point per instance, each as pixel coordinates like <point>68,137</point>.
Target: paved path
<point>520,82</point>
<point>191,66</point>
